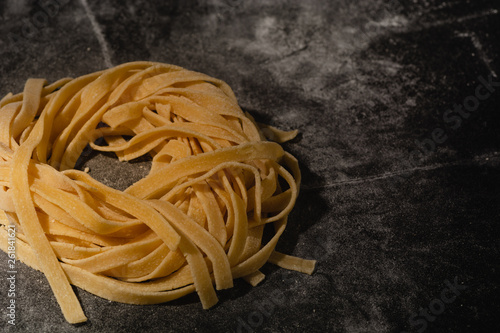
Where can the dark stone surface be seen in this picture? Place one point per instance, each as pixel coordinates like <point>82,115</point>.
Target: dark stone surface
<point>362,81</point>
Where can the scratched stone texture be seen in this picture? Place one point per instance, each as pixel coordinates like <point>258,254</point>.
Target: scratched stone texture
<point>399,147</point>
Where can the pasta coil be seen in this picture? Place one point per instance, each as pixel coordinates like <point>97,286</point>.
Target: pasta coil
<point>194,223</point>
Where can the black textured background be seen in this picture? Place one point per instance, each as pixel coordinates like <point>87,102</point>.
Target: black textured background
<point>364,81</point>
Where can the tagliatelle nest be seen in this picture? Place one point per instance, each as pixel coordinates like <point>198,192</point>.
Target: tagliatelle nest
<point>195,220</point>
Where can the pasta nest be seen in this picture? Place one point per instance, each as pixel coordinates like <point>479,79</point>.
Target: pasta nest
<point>195,221</point>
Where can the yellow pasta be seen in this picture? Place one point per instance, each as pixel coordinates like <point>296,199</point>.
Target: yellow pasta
<point>194,223</point>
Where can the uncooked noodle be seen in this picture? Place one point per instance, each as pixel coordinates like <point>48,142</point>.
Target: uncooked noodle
<point>195,221</point>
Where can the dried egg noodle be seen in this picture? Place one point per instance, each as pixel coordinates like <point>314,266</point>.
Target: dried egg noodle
<point>195,221</point>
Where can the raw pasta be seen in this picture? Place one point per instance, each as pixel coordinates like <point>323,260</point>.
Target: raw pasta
<point>195,221</point>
